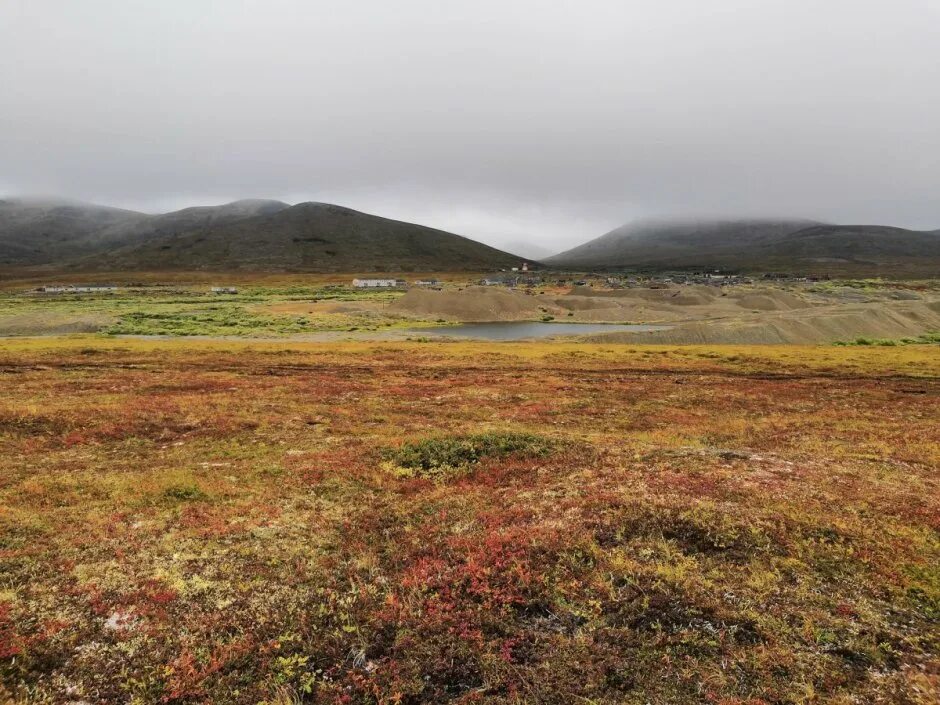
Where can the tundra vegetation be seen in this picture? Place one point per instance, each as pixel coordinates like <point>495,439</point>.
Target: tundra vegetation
<point>188,521</point>
<point>323,308</point>
<point>932,337</point>
<point>186,310</point>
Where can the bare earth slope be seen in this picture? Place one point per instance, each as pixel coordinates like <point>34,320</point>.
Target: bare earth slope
<point>310,237</point>
<point>474,304</point>
<point>583,304</point>
<point>745,315</point>
<point>824,324</point>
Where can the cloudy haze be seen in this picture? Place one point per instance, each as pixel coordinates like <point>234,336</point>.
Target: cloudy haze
<point>500,120</point>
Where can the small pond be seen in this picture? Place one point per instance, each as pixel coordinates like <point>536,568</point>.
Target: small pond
<point>525,330</point>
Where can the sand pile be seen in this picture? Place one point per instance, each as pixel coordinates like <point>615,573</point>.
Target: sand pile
<point>473,304</point>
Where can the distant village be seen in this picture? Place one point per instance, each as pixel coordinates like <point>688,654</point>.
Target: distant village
<point>530,279</point>
<point>524,276</point>
<point>75,288</point>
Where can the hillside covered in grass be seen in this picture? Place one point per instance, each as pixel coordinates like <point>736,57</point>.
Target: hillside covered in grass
<point>759,245</point>
<point>250,235</point>
<point>58,232</point>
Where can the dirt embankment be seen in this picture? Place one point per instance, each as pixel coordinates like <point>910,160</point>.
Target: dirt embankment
<point>818,325</point>
<point>584,304</point>
<point>697,314</point>
<point>675,304</point>
<point>474,304</point>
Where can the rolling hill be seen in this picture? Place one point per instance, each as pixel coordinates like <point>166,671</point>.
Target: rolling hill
<point>801,246</point>
<point>309,237</point>
<point>188,219</point>
<point>266,235</point>
<point>43,232</point>
<point>245,235</point>
<point>36,231</point>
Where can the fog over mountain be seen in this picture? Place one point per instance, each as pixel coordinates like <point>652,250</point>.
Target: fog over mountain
<point>759,245</point>
<point>251,235</point>
<point>508,121</point>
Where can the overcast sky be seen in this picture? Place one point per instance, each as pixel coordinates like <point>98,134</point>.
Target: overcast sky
<point>502,120</point>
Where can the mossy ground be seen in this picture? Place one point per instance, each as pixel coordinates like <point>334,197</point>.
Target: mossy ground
<point>191,521</point>
<point>255,311</point>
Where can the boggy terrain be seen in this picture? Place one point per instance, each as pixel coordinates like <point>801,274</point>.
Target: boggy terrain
<point>247,522</point>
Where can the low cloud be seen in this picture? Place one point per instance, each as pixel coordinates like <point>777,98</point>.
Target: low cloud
<point>503,121</point>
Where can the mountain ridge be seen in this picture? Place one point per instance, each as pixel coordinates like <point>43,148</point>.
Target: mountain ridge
<point>309,236</point>
<point>754,244</point>
<point>246,234</point>
<point>270,235</point>
<point>54,230</point>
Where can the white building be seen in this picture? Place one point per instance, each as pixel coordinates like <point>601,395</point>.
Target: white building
<point>77,289</point>
<point>376,283</point>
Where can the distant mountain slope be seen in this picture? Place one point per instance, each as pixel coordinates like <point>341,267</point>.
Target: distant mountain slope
<point>54,232</point>
<point>188,219</point>
<point>666,241</point>
<point>42,231</point>
<point>759,245</point>
<point>857,243</point>
<point>315,237</point>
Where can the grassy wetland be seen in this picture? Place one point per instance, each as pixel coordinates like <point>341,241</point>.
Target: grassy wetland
<point>197,521</point>
<point>280,310</point>
<point>326,307</point>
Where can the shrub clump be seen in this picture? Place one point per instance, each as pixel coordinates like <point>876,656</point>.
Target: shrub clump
<point>926,339</point>
<point>449,455</point>
<point>184,493</point>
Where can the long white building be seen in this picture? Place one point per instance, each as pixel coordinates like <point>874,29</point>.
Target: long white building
<point>377,283</point>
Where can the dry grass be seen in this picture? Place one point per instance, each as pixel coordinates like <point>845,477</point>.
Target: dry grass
<point>205,522</point>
